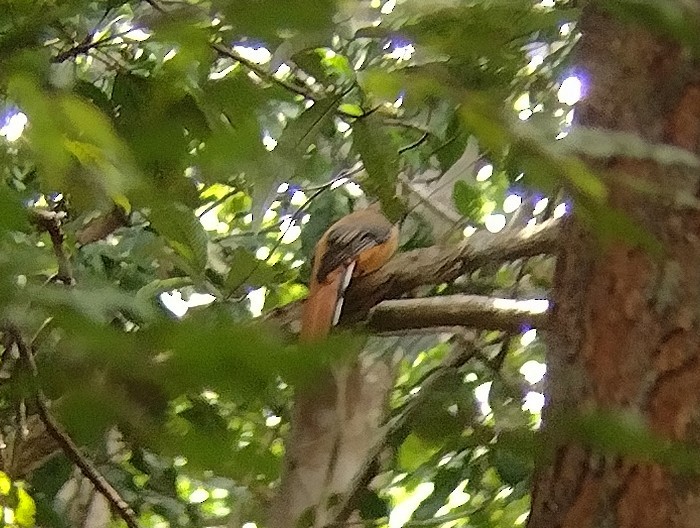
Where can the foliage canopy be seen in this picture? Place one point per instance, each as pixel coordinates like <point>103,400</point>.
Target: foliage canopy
<point>191,148</point>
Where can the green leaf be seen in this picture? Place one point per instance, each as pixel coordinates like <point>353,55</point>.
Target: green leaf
<point>612,225</point>
<point>413,453</point>
<point>468,200</point>
<point>351,109</point>
<point>372,506</point>
<point>607,144</point>
<point>622,433</point>
<point>179,225</point>
<point>247,269</point>
<point>192,40</point>
<point>154,288</point>
<point>5,484</point>
<point>300,133</point>
<point>281,16</point>
<point>445,481</point>
<point>511,468</point>
<point>414,84</point>
<point>98,302</point>
<point>381,161</point>
<point>45,135</point>
<point>302,47</point>
<point>13,214</point>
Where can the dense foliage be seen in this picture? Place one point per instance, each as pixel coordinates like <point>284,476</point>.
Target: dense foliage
<point>185,149</point>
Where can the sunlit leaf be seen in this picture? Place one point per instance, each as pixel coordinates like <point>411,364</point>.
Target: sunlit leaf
<point>413,453</point>
<point>5,484</point>
<point>25,511</point>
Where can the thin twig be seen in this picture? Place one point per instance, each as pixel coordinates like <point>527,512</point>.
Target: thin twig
<point>396,122</point>
<point>50,222</point>
<point>67,445</point>
<point>89,471</point>
<point>86,45</point>
<point>217,202</point>
<point>415,144</point>
<point>263,73</point>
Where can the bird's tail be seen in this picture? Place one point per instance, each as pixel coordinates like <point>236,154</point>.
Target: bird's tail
<point>324,304</point>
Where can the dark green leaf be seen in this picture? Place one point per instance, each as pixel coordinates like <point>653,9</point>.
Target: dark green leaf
<point>468,200</point>
<point>182,229</point>
<point>247,269</point>
<point>301,132</point>
<point>380,158</point>
<point>372,506</point>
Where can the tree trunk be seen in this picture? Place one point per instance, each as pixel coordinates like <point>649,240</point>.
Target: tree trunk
<point>626,322</point>
<point>334,426</point>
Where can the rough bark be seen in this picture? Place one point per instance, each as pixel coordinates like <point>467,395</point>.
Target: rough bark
<point>625,323</point>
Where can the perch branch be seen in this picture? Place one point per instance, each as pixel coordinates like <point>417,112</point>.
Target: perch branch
<point>432,265</point>
<point>471,311</point>
<point>439,264</point>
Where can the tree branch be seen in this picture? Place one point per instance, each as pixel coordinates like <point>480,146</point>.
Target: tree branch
<point>269,76</point>
<point>50,222</point>
<point>472,311</point>
<point>69,448</point>
<point>440,264</point>
<point>263,73</point>
<point>432,265</point>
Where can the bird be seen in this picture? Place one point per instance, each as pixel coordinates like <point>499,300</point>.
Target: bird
<point>357,244</point>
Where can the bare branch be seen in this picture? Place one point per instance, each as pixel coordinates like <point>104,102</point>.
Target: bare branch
<point>69,448</point>
<point>471,311</point>
<point>307,93</point>
<point>87,468</point>
<point>50,222</point>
